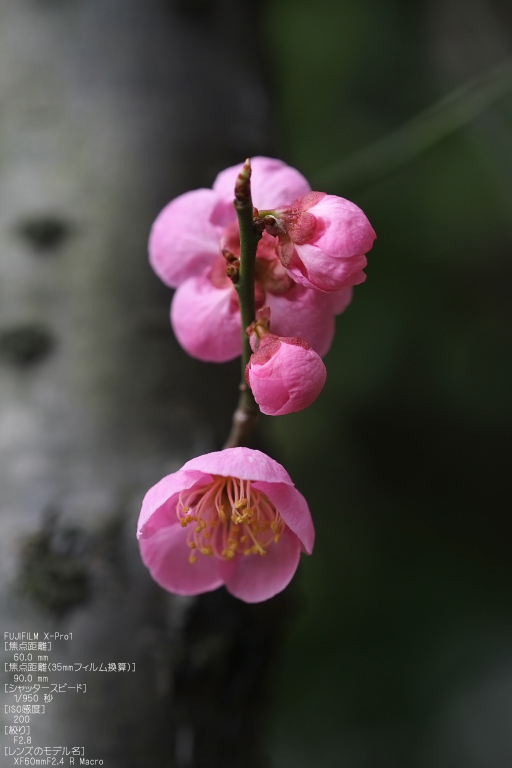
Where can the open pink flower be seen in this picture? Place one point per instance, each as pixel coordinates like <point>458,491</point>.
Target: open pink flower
<point>323,241</point>
<point>231,517</point>
<point>186,246</point>
<point>285,374</point>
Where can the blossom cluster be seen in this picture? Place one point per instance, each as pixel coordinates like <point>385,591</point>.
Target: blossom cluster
<point>304,273</point>
<point>234,517</point>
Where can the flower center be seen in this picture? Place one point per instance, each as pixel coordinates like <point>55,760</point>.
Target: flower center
<point>228,517</point>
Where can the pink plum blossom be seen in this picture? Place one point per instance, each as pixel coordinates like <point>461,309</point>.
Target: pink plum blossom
<point>232,518</point>
<point>186,249</point>
<point>323,241</point>
<point>284,373</point>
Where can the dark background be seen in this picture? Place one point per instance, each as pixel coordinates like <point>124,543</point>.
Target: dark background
<point>401,651</point>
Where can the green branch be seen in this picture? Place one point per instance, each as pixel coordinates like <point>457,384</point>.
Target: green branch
<point>419,134</point>
<point>247,412</point>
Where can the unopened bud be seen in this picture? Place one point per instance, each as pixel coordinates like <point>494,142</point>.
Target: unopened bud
<point>285,374</point>
<point>243,185</point>
<point>233,271</point>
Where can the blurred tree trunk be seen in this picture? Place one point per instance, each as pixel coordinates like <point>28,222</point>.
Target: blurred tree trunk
<point>108,109</point>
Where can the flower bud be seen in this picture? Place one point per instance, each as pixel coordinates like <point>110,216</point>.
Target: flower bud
<point>285,374</point>
<point>323,240</point>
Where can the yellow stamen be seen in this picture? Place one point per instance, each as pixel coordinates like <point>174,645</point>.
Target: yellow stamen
<point>239,518</point>
<point>251,525</point>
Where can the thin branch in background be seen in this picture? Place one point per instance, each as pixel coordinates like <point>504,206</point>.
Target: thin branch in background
<point>421,133</point>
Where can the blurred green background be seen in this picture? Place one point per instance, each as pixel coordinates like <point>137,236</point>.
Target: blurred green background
<point>401,650</point>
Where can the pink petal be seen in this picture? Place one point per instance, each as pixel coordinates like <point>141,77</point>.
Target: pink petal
<point>184,239</point>
<point>206,320</point>
<point>340,300</point>
<point>293,508</point>
<point>347,230</point>
<point>289,380</point>
<point>254,578</point>
<point>245,463</point>
<point>312,267</point>
<point>271,394</point>
<point>273,183</point>
<point>166,554</point>
<point>160,501</point>
<point>303,312</point>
